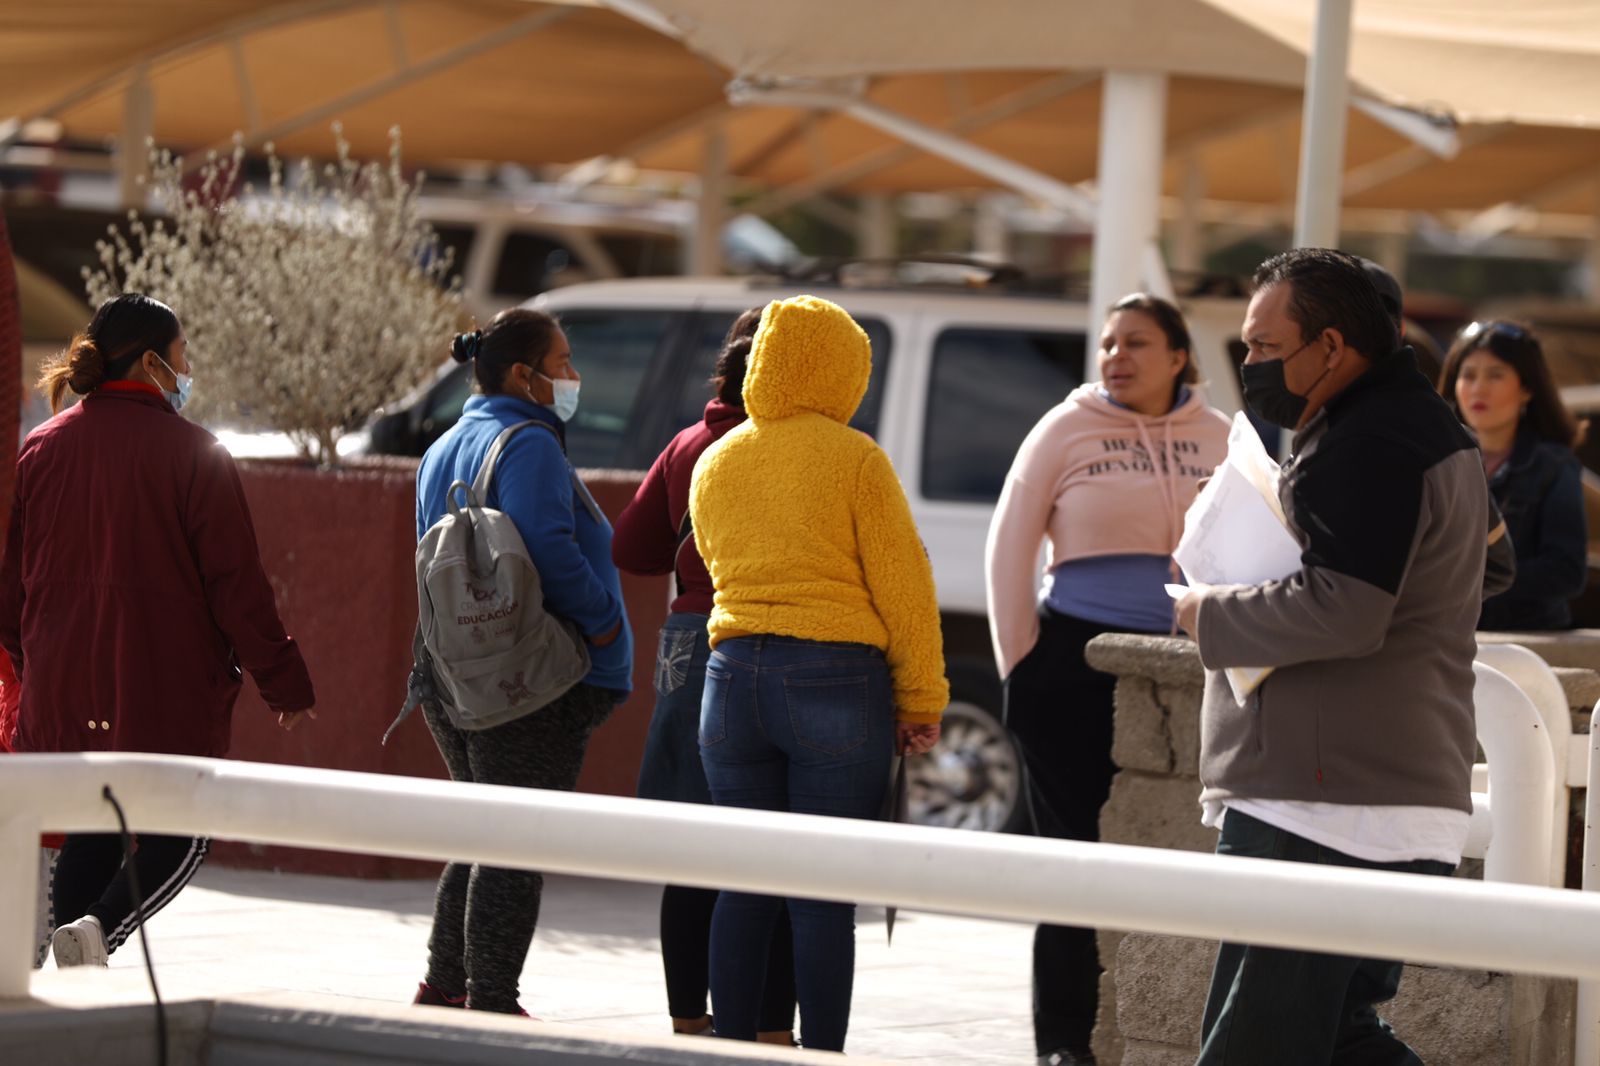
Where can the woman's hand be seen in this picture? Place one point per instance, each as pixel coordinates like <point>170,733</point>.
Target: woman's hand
<point>912,739</point>
<point>607,637</point>
<point>289,719</point>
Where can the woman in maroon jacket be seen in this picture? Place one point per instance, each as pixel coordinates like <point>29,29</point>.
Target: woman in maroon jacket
<point>653,537</point>
<point>131,595</point>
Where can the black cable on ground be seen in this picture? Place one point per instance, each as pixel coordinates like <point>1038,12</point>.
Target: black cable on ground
<point>138,915</point>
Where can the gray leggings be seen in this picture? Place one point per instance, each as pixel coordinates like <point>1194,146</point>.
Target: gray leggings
<point>484,917</point>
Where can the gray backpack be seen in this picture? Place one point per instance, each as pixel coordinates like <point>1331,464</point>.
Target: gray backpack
<point>485,647</point>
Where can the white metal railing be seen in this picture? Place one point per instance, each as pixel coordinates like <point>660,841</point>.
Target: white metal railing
<point>1512,927</point>
<point>1518,922</point>
<point>1513,818</point>
<point>1586,1047</point>
<point>1543,689</point>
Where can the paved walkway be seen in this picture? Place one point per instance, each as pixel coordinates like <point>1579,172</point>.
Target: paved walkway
<point>949,989</point>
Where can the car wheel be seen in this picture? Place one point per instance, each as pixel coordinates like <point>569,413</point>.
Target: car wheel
<point>972,779</point>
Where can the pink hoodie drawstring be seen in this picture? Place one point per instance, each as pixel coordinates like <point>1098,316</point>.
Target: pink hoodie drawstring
<point>1169,493</point>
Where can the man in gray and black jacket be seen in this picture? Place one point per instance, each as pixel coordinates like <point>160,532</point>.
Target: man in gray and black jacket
<point>1357,749</point>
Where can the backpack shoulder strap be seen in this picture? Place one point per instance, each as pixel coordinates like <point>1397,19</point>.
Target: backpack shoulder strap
<point>481,483</point>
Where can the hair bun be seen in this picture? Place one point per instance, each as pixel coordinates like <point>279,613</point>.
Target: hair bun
<point>466,346</point>
<point>86,365</point>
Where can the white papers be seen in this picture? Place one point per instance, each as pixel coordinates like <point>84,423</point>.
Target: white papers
<point>1232,537</point>
<point>1234,532</point>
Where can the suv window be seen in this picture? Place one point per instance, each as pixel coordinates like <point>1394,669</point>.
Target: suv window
<point>987,389</point>
<point>613,350</point>
<point>458,240</point>
<point>711,329</point>
<point>530,263</point>
<point>643,255</point>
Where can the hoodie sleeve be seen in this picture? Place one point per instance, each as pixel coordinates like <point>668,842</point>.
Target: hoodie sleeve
<point>645,540</point>
<point>533,484</point>
<point>1011,551</point>
<point>900,580</point>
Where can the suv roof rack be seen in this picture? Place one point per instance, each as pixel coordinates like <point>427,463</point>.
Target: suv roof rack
<point>969,273</point>
<point>892,272</point>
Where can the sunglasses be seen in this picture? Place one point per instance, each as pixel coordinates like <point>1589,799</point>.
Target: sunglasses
<point>1509,330</point>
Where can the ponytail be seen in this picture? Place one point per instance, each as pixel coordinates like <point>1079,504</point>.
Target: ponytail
<point>81,368</point>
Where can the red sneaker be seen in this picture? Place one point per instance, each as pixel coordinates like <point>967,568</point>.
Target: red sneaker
<point>428,996</point>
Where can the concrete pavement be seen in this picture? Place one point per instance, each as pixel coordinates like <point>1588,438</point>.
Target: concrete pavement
<point>948,990</point>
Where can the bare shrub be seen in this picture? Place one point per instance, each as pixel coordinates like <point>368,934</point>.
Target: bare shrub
<point>308,304</point>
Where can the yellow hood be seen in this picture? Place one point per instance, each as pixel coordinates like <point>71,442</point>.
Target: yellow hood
<point>808,355</point>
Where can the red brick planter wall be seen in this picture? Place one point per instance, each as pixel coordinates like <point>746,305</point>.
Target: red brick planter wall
<point>338,547</point>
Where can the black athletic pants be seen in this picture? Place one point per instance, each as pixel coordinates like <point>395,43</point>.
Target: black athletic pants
<point>91,878</point>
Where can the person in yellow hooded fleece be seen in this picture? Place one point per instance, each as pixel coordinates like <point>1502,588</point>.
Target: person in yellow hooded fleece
<point>826,649</point>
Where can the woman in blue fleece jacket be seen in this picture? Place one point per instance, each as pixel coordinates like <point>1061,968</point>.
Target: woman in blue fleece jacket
<point>523,369</point>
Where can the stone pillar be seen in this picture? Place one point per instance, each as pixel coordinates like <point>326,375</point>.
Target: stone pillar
<point>1154,987</point>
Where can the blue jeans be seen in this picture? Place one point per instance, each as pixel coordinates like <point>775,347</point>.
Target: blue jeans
<point>801,726</point>
<point>671,767</point>
<point>1269,1006</point>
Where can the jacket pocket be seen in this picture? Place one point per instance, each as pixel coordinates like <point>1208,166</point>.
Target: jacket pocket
<point>827,714</point>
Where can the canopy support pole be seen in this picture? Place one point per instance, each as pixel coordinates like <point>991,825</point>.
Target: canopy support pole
<point>1593,287</point>
<point>133,151</point>
<point>1188,244</point>
<point>1316,219</point>
<point>1133,118</point>
<point>713,202</point>
<point>877,227</point>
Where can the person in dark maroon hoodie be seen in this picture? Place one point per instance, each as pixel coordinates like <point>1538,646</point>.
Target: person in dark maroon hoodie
<point>131,595</point>
<point>653,537</point>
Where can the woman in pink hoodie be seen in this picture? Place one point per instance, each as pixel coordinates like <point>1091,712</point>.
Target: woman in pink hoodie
<point>1106,477</point>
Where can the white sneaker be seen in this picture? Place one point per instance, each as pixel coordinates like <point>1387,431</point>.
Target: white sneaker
<point>80,943</point>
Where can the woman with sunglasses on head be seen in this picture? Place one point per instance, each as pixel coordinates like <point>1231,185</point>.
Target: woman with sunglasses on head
<point>1496,379</point>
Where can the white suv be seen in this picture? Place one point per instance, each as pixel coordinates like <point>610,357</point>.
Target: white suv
<point>959,377</point>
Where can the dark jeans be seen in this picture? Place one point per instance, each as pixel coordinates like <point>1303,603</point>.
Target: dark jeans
<point>807,727</point>
<point>92,879</point>
<point>484,916</point>
<point>1060,710</point>
<point>1269,1005</point>
<point>671,770</point>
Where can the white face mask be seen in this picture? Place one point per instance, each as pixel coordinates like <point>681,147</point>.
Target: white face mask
<point>184,383</point>
<point>565,397</point>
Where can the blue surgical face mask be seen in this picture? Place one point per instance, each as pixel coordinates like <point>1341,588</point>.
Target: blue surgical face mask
<point>565,397</point>
<point>185,385</point>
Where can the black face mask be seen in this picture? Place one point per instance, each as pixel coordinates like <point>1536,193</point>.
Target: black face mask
<point>1268,394</point>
